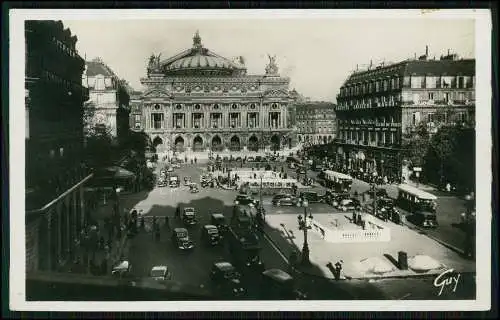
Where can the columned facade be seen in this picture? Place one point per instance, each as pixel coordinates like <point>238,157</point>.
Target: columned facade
<point>200,101</point>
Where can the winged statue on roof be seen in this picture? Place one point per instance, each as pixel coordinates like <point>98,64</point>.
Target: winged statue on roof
<point>271,67</point>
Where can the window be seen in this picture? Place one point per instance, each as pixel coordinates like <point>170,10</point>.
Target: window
<point>157,120</point>
<point>178,107</point>
<point>461,82</point>
<point>406,82</point>
<point>216,106</point>
<point>137,118</point>
<point>252,106</point>
<point>468,82</point>
<point>234,106</point>
<point>197,107</point>
<point>417,82</point>
<point>377,86</point>
<point>430,117</point>
<point>157,107</point>
<point>415,118</point>
<point>99,85</point>
<point>431,82</point>
<point>386,85</point>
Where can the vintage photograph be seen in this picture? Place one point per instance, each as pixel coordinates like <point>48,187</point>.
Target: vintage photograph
<point>246,158</point>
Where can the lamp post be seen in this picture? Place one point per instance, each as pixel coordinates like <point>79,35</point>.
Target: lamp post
<point>117,213</point>
<point>374,190</point>
<point>304,227</point>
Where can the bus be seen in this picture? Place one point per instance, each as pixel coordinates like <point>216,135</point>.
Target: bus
<point>337,181</point>
<point>420,203</point>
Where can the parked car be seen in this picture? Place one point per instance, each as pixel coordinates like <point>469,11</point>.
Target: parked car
<point>181,239</point>
<point>210,235</point>
<point>348,204</point>
<point>227,280</point>
<point>285,200</point>
<point>160,273</point>
<point>122,269</point>
<point>188,216</point>
<point>250,159</point>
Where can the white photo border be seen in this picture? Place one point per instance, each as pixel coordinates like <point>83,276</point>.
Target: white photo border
<point>483,28</point>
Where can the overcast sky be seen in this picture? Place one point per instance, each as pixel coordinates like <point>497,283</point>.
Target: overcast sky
<point>317,54</point>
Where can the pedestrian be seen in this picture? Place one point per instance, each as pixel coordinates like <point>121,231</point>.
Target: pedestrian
<point>167,224</point>
<point>195,160</point>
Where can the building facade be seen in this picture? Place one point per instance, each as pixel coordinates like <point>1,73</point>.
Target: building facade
<point>316,122</point>
<point>378,109</point>
<point>198,101</point>
<point>55,178</point>
<point>108,107</point>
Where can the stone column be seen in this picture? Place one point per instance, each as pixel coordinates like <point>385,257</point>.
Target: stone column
<point>206,116</point>
<point>68,221</point>
<point>58,231</point>
<point>82,207</point>
<point>49,240</point>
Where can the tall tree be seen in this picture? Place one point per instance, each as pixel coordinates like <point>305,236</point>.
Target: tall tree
<point>451,157</point>
<point>415,144</point>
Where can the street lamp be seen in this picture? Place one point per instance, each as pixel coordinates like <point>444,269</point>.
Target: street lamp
<point>117,213</point>
<point>304,227</point>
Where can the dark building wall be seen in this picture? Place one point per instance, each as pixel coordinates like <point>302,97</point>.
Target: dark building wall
<point>55,99</point>
<point>55,176</point>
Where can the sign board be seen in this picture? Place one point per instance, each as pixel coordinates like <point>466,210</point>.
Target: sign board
<point>417,169</point>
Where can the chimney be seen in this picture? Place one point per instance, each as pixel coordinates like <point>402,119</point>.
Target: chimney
<point>426,51</point>
<point>415,56</point>
<point>448,52</point>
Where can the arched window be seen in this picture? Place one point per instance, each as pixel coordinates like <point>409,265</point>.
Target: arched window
<point>157,107</point>
<point>252,106</point>
<point>234,106</point>
<point>178,106</point>
<point>197,107</point>
<point>216,106</point>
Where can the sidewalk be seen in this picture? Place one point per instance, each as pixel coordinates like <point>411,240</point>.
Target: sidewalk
<point>119,245</point>
<point>283,231</point>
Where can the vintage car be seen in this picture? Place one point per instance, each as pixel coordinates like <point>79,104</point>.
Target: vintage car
<point>311,196</point>
<point>227,280</point>
<point>284,200</point>
<point>279,285</point>
<point>348,204</point>
<point>244,199</point>
<point>160,273</point>
<point>173,181</point>
<point>250,159</point>
<point>180,238</point>
<point>219,221</point>
<point>193,188</point>
<point>187,181</point>
<point>122,269</point>
<point>162,182</point>
<point>210,235</point>
<point>188,216</point>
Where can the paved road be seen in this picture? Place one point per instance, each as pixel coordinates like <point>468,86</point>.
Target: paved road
<point>449,208</point>
<point>193,268</point>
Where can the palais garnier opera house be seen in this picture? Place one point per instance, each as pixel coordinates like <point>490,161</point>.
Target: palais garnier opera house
<point>199,101</point>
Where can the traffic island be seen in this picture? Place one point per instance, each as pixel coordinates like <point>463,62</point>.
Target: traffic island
<point>363,254</point>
